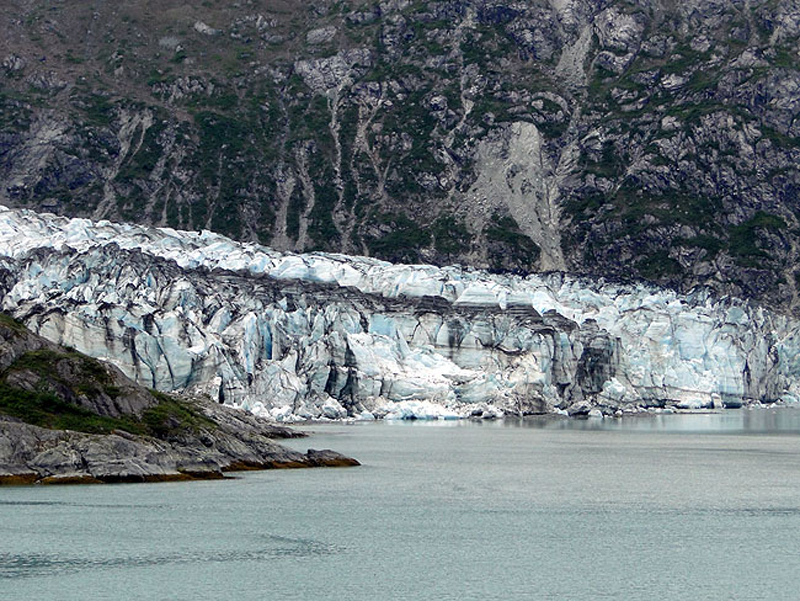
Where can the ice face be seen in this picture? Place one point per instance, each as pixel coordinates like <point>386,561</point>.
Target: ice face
<point>328,336</point>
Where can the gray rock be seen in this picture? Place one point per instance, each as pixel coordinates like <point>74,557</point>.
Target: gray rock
<point>618,31</point>
<point>14,63</point>
<point>328,458</point>
<point>363,17</point>
<point>323,35</point>
<point>579,409</point>
<point>204,29</point>
<point>333,72</point>
<point>46,81</point>
<point>30,454</point>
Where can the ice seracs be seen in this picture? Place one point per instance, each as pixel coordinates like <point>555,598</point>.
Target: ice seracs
<point>330,336</point>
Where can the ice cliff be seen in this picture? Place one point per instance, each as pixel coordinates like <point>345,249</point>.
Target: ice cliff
<point>325,335</point>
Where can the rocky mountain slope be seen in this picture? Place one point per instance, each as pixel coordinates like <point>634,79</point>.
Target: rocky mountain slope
<point>66,418</point>
<point>323,335</point>
<point>625,138</point>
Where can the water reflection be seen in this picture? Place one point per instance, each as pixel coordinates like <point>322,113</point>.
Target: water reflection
<point>25,565</point>
<point>85,505</point>
<point>729,421</point>
<point>779,420</point>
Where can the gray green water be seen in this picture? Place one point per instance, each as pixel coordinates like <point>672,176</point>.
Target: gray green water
<point>661,507</point>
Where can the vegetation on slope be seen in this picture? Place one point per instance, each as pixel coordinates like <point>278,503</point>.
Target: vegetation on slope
<point>357,126</point>
<point>56,388</point>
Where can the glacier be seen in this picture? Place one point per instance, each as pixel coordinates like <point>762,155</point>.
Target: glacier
<point>328,336</point>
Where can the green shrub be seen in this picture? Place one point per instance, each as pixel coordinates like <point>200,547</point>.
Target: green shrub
<point>658,265</point>
<point>509,248</point>
<point>402,243</point>
<point>711,244</point>
<point>170,416</point>
<point>743,238</point>
<point>11,323</point>
<point>143,159</point>
<point>450,235</point>
<point>46,410</point>
<point>99,109</point>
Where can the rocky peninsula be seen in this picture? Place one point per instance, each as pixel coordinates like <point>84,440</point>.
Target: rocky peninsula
<point>68,418</point>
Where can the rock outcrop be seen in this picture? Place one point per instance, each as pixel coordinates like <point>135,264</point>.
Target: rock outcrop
<point>31,454</point>
<point>104,428</point>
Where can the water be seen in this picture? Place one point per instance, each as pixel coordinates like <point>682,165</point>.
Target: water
<point>662,507</point>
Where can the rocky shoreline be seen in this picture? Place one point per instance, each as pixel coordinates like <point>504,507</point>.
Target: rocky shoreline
<point>240,441</point>
<point>66,418</point>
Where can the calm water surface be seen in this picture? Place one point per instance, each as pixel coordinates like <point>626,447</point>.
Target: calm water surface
<point>660,507</point>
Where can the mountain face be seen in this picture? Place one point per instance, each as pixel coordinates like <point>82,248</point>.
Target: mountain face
<point>294,336</point>
<point>627,139</point>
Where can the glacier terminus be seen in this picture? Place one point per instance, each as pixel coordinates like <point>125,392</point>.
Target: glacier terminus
<point>309,336</point>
